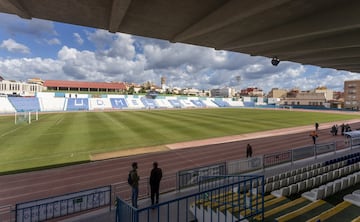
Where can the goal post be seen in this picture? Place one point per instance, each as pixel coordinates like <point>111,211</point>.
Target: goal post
<point>26,117</point>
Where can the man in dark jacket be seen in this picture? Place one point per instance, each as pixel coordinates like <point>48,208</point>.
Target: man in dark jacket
<point>155,178</point>
<point>248,150</point>
<point>134,184</point>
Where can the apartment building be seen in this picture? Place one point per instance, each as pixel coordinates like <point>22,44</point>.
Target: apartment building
<point>352,94</point>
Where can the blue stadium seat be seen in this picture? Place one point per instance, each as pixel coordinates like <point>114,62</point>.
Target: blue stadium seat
<point>149,103</point>
<point>25,104</point>
<point>77,104</point>
<point>175,103</point>
<point>221,103</point>
<point>118,103</point>
<point>198,103</point>
<point>249,104</point>
<point>349,162</point>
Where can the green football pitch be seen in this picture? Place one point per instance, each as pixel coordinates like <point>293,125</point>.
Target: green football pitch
<point>64,138</point>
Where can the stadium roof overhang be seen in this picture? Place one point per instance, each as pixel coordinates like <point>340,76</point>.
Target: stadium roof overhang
<point>324,33</point>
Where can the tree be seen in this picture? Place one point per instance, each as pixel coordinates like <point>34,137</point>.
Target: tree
<point>131,90</point>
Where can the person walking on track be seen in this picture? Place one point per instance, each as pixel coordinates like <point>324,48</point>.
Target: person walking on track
<point>314,136</point>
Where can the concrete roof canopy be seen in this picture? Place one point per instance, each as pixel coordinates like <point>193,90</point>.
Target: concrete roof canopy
<point>323,33</point>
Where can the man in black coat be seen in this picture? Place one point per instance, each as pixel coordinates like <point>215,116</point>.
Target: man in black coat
<point>248,150</point>
<point>155,178</point>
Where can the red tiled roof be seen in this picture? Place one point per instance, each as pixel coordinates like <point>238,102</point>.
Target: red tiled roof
<point>78,84</point>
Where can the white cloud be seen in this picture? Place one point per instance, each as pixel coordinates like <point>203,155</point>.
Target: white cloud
<point>26,68</point>
<point>113,45</point>
<point>67,53</point>
<point>12,46</point>
<point>254,68</point>
<point>53,41</point>
<point>78,38</point>
<point>177,55</point>
<point>36,28</point>
<point>97,66</point>
<point>295,72</point>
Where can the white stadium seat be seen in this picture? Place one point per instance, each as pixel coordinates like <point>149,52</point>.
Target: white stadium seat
<point>283,182</point>
<point>344,183</point>
<point>310,183</point>
<point>276,185</point>
<point>301,186</point>
<point>293,189</point>
<point>284,191</point>
<point>315,194</point>
<point>329,189</point>
<point>337,185</point>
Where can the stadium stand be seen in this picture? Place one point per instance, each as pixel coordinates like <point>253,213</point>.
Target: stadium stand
<point>134,102</point>
<point>175,103</point>
<point>234,103</point>
<point>220,102</point>
<point>249,104</point>
<point>198,103</point>
<point>261,102</point>
<point>353,198</point>
<point>73,104</point>
<point>231,204</point>
<point>208,102</point>
<point>25,104</point>
<point>185,103</point>
<point>58,101</point>
<point>149,103</point>
<point>51,104</point>
<point>314,183</point>
<point>163,102</point>
<point>6,106</point>
<point>287,194</point>
<point>118,103</point>
<point>99,104</point>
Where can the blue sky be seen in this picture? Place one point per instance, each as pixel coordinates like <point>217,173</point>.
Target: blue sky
<point>57,51</point>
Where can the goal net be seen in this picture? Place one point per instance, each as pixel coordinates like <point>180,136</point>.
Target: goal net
<point>26,117</point>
